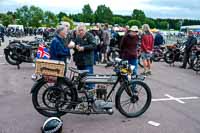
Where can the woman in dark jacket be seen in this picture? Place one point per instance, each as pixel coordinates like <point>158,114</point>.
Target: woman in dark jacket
<point>128,47</point>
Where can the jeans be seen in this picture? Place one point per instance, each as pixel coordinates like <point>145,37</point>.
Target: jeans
<point>135,63</point>
<point>90,68</point>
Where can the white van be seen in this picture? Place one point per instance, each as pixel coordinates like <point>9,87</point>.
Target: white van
<point>21,27</point>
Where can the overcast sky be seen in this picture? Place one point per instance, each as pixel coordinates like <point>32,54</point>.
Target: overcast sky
<point>153,8</point>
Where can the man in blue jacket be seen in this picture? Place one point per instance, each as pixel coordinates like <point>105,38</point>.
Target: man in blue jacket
<point>58,51</point>
<point>159,40</point>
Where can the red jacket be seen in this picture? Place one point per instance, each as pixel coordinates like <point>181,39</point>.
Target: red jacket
<point>128,47</point>
<point>147,42</point>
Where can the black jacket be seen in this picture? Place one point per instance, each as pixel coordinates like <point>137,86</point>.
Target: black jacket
<point>85,57</point>
<point>191,41</point>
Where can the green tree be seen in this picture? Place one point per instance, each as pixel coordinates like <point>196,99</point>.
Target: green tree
<point>22,14</point>
<point>118,20</point>
<point>7,19</point>
<point>87,13</point>
<point>138,15</point>
<point>66,19</point>
<point>60,15</point>
<point>50,20</point>
<point>36,16</point>
<point>134,22</point>
<point>150,22</point>
<point>103,14</point>
<point>164,25</point>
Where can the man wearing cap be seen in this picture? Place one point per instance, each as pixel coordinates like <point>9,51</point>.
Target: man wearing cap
<point>191,41</point>
<point>128,47</point>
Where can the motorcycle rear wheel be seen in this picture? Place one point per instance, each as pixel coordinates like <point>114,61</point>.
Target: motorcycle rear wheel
<point>12,59</point>
<point>64,96</point>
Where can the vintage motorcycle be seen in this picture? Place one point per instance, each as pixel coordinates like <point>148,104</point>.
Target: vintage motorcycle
<point>52,96</point>
<point>158,53</point>
<point>21,51</point>
<point>174,53</point>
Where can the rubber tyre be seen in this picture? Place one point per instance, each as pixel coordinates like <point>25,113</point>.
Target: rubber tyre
<point>143,109</point>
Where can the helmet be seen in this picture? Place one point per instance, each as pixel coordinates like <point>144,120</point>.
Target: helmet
<point>52,125</point>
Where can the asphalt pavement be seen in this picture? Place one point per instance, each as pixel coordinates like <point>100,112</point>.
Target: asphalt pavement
<point>175,105</point>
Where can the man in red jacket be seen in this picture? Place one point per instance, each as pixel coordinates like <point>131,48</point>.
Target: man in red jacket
<point>147,48</point>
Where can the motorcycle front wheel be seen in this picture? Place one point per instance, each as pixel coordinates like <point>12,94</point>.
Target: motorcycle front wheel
<point>133,100</point>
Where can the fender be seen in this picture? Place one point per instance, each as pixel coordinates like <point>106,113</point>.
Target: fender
<point>41,81</point>
<point>37,84</point>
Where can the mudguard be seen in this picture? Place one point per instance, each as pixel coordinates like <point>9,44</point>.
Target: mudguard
<point>37,84</point>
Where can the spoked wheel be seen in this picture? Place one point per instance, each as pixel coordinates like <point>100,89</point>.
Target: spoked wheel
<point>156,57</point>
<point>48,98</point>
<point>112,55</point>
<point>169,57</point>
<point>140,61</point>
<point>12,58</point>
<point>196,64</point>
<point>133,100</point>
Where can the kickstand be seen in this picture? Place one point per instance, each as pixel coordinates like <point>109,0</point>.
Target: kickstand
<point>18,67</point>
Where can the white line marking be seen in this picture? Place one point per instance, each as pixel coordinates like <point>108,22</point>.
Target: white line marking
<point>161,99</point>
<point>1,55</point>
<point>153,123</point>
<point>3,64</point>
<point>186,98</point>
<point>176,99</point>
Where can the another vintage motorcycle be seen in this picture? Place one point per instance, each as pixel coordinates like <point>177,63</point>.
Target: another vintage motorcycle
<point>21,51</point>
<point>53,96</point>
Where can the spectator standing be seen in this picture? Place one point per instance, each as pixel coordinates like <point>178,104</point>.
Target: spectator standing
<point>147,42</point>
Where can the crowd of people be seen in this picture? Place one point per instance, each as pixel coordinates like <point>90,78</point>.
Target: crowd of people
<point>89,45</point>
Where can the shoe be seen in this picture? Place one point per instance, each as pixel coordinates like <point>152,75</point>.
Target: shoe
<point>104,62</point>
<point>144,73</point>
<point>182,67</point>
<point>148,73</point>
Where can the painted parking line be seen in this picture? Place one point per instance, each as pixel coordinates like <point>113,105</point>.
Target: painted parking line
<point>171,98</point>
<point>153,123</point>
<point>3,63</point>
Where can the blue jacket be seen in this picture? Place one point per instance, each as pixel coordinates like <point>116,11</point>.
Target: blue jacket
<point>159,40</point>
<point>58,51</point>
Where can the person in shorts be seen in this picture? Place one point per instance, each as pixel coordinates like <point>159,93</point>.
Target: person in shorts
<point>147,42</point>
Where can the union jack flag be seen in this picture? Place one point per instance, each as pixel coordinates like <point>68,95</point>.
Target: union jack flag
<point>42,52</point>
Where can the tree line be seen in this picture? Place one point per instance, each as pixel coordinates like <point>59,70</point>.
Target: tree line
<point>35,17</point>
